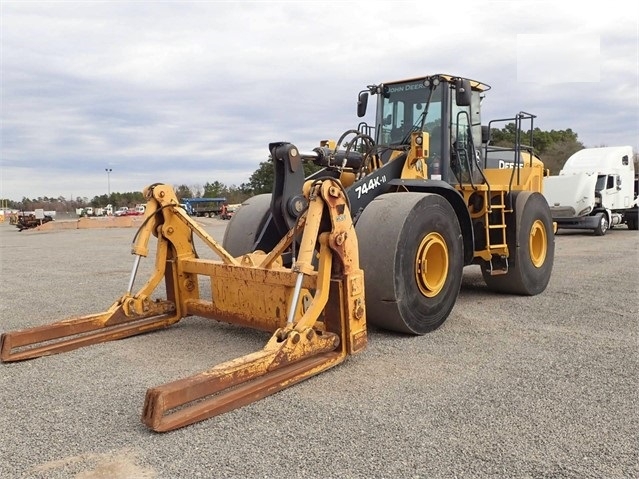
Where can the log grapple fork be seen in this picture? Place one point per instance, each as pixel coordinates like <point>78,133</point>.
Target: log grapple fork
<point>315,308</point>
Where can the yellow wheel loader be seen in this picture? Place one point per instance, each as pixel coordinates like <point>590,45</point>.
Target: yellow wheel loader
<point>382,232</point>
<point>462,201</point>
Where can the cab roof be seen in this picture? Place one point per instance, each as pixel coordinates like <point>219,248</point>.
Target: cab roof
<point>476,85</point>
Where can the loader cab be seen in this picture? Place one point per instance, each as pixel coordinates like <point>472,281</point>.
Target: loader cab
<point>445,107</point>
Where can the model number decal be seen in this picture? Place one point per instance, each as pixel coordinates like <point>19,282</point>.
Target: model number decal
<point>370,185</point>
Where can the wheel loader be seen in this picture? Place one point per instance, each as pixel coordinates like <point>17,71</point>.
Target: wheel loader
<point>381,233</point>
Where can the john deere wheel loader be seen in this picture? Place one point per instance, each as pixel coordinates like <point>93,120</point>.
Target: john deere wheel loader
<point>428,194</point>
<point>382,231</point>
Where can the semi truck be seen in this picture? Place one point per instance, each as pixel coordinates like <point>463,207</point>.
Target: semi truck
<point>596,190</point>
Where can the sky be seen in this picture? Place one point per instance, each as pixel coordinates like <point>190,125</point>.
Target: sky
<point>192,92</point>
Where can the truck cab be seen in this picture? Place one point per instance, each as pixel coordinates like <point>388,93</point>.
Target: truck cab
<point>609,191</point>
<point>595,190</point>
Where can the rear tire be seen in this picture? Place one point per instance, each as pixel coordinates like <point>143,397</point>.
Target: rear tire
<point>411,252</point>
<point>532,248</point>
<point>245,225</point>
<point>602,224</point>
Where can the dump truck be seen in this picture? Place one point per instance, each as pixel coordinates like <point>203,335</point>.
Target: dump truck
<point>204,207</point>
<point>596,189</point>
<point>381,233</point>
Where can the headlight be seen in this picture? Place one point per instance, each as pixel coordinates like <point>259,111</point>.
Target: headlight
<point>431,82</point>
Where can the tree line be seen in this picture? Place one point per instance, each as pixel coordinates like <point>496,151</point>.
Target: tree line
<point>553,147</point>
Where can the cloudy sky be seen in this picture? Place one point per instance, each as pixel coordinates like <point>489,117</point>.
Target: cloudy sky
<point>189,92</point>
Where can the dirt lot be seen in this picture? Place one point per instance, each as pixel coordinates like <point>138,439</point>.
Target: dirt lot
<point>541,386</point>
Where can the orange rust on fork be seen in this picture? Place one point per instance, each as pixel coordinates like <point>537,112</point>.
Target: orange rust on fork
<point>238,382</point>
<point>74,333</point>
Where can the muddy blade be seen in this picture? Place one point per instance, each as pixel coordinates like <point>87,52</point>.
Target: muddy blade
<point>75,333</point>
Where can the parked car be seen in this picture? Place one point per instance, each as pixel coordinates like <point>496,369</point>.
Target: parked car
<point>138,210</point>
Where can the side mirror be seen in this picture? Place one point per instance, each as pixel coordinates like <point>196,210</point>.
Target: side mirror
<point>485,134</point>
<point>362,103</point>
<point>463,92</point>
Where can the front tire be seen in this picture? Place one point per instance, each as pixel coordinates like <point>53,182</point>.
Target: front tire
<point>531,245</point>
<point>245,225</point>
<point>411,252</point>
<point>602,224</point>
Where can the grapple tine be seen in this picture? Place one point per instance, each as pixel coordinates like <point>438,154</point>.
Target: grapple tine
<point>241,381</point>
<point>232,398</point>
<point>74,333</point>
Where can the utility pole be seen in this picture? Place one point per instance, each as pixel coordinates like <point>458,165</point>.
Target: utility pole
<point>108,172</point>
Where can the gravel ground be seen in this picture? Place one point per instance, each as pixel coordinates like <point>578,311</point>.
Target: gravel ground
<point>509,386</point>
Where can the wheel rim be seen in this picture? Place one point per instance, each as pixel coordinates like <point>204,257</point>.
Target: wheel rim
<point>604,223</point>
<point>538,244</point>
<point>431,264</point>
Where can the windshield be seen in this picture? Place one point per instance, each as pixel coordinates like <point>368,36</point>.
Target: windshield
<point>404,109</point>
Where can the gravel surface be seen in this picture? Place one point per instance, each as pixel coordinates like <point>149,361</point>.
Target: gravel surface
<point>532,387</point>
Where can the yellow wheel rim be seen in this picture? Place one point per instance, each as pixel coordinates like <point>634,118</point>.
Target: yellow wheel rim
<point>431,265</point>
<point>538,244</point>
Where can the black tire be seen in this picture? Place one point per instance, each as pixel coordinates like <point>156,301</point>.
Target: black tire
<point>532,248</point>
<point>244,226</point>
<point>397,233</point>
<point>602,224</point>
<point>632,222</point>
